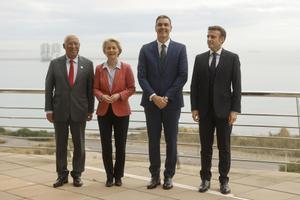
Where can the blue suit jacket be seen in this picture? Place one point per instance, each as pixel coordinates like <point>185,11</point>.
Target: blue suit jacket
<point>167,80</point>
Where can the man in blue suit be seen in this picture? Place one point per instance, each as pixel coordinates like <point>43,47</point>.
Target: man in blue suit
<point>162,73</point>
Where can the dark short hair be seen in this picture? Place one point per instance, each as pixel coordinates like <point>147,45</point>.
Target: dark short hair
<point>163,17</point>
<point>218,28</point>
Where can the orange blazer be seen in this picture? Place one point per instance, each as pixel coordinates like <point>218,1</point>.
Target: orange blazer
<point>123,84</point>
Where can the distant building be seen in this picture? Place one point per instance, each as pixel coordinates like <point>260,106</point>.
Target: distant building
<point>45,52</point>
<point>48,52</point>
<point>55,50</point>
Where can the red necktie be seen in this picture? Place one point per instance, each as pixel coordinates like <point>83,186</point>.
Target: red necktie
<point>71,72</point>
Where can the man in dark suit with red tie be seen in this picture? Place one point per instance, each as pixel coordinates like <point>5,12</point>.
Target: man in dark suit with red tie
<point>69,103</point>
<point>215,103</point>
<point>162,73</point>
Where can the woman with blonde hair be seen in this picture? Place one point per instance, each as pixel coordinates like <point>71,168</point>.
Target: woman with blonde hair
<point>113,85</point>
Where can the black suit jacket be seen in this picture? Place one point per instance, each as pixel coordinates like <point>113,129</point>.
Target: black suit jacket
<point>227,85</point>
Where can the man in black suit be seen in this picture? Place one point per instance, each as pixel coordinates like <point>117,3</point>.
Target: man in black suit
<point>215,103</point>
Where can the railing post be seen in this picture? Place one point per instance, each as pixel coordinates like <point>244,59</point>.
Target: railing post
<point>298,113</point>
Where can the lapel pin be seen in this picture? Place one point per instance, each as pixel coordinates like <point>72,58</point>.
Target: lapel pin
<point>81,67</point>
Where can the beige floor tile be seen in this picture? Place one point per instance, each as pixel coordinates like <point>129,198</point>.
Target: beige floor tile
<point>6,196</point>
<point>4,177</point>
<point>93,175</point>
<point>14,183</point>
<point>134,183</point>
<point>294,198</point>
<point>8,166</point>
<point>237,188</point>
<point>194,195</point>
<point>58,194</point>
<point>130,195</point>
<point>47,167</point>
<point>263,194</point>
<point>91,198</point>
<point>233,176</point>
<point>20,172</point>
<point>258,181</point>
<point>188,180</point>
<point>41,177</point>
<point>160,191</point>
<point>291,187</point>
<point>30,191</point>
<point>93,189</point>
<point>140,171</point>
<point>165,198</point>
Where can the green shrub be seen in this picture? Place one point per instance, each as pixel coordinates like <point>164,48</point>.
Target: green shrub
<point>2,130</point>
<point>292,167</point>
<point>25,132</point>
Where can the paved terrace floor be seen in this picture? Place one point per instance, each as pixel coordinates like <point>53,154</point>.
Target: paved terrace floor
<point>30,177</point>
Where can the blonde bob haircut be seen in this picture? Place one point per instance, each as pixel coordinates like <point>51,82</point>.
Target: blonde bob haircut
<point>114,41</point>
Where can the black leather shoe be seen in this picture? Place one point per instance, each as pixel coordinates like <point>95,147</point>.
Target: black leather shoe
<point>204,186</point>
<point>224,188</point>
<point>155,181</point>
<point>168,183</point>
<point>77,182</point>
<point>60,181</point>
<point>109,183</point>
<point>118,182</point>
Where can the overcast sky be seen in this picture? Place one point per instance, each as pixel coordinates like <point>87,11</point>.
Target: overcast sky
<point>265,33</point>
<point>252,25</point>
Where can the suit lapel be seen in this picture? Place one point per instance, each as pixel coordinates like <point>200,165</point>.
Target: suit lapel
<point>156,54</point>
<point>207,62</point>
<point>116,78</point>
<point>170,52</point>
<point>105,78</point>
<point>221,61</point>
<point>64,69</point>
<point>79,70</point>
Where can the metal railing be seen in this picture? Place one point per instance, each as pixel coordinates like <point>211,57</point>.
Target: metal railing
<point>187,123</point>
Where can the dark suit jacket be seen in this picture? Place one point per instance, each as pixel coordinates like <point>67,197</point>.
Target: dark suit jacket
<point>123,84</point>
<point>227,85</point>
<point>64,100</point>
<point>164,81</point>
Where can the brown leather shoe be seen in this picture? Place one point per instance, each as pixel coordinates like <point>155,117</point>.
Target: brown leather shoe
<point>60,181</point>
<point>155,181</point>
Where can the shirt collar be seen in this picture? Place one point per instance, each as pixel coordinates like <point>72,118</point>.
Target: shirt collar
<point>118,65</point>
<point>218,52</point>
<point>166,43</point>
<point>75,59</point>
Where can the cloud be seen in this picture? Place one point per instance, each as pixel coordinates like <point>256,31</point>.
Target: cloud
<point>252,23</point>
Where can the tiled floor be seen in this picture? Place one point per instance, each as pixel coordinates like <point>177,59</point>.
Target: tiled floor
<point>30,177</point>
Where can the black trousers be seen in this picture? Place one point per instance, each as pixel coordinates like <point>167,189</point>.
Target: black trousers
<point>77,130</point>
<point>107,124</point>
<point>207,127</point>
<point>155,119</point>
